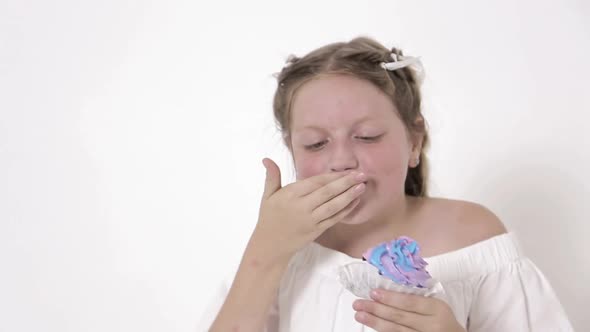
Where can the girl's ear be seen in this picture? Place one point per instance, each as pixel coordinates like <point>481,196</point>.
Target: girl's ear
<point>417,143</point>
<point>415,152</point>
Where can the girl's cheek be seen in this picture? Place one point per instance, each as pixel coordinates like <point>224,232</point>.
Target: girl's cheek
<point>309,165</point>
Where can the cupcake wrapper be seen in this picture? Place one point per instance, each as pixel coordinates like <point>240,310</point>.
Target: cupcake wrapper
<point>360,278</point>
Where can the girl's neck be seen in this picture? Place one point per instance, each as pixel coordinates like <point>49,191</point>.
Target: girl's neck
<point>353,240</point>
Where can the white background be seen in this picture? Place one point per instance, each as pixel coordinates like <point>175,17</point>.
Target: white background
<point>131,134</point>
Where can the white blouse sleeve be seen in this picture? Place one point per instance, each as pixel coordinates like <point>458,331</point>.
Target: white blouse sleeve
<point>217,300</point>
<point>516,297</point>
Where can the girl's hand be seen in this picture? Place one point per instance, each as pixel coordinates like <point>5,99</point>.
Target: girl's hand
<point>393,311</point>
<point>295,215</point>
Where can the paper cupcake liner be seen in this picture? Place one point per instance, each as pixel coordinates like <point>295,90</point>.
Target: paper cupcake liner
<point>360,278</point>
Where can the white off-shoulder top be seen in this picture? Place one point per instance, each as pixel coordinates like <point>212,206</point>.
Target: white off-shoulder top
<point>490,286</point>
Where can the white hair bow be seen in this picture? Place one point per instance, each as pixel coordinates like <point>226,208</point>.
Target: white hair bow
<point>400,61</point>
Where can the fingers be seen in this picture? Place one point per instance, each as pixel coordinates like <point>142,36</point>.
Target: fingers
<point>408,302</point>
<point>332,198</point>
<point>273,177</point>
<point>313,183</point>
<point>394,311</point>
<point>327,223</point>
<point>381,315</point>
<point>335,188</point>
<point>379,324</point>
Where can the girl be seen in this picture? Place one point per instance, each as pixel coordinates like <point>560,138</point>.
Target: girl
<point>350,115</point>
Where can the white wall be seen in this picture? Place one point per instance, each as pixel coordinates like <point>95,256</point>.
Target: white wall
<point>131,135</point>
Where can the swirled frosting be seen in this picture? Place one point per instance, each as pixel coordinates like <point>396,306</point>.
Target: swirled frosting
<point>400,261</point>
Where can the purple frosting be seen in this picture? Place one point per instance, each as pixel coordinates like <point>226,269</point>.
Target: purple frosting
<point>400,261</point>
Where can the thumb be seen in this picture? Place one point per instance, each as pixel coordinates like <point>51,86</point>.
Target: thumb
<point>273,177</point>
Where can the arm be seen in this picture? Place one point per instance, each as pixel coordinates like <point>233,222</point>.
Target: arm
<point>248,302</point>
<point>290,218</point>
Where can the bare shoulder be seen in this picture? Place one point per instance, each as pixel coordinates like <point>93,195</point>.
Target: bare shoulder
<point>458,223</point>
<point>480,220</point>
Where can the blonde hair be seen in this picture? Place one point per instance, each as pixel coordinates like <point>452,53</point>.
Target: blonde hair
<point>361,58</point>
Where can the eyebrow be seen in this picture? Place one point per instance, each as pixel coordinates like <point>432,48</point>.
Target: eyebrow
<point>361,120</point>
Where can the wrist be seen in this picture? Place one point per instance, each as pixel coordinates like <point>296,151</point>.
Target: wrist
<point>261,259</point>
<point>265,254</point>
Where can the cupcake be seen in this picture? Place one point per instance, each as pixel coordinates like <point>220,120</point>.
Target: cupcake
<point>394,265</point>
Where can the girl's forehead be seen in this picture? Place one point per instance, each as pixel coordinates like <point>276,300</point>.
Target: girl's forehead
<point>340,99</point>
<point>336,90</point>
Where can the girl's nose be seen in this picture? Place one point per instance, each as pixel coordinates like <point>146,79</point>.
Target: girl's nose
<point>343,158</point>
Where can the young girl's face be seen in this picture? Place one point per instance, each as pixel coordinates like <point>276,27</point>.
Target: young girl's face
<point>339,123</point>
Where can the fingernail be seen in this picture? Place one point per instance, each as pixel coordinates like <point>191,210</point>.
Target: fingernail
<point>361,317</point>
<point>359,187</point>
<point>376,295</point>
<point>357,305</point>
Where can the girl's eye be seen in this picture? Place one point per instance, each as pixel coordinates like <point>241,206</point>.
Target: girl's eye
<point>315,146</point>
<point>369,138</point>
